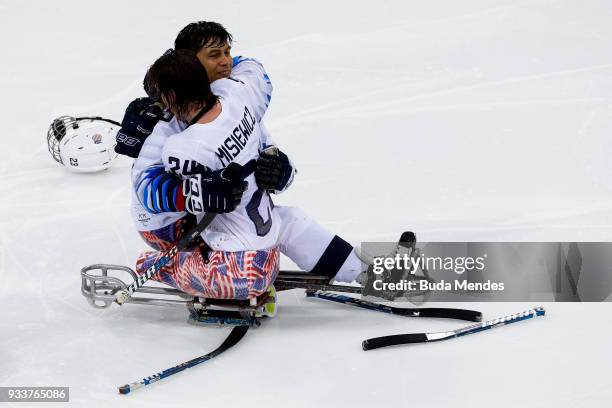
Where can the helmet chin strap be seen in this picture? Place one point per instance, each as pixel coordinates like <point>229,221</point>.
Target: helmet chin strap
<point>202,112</point>
<point>113,122</point>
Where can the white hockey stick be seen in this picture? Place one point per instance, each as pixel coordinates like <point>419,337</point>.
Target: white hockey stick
<point>397,339</point>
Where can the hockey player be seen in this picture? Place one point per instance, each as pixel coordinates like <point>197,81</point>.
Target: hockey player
<point>159,227</point>
<point>309,245</point>
<point>208,132</point>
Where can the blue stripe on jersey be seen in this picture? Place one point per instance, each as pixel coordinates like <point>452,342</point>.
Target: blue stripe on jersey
<point>145,201</point>
<point>155,187</point>
<point>164,195</point>
<point>157,190</point>
<point>169,195</point>
<point>239,58</point>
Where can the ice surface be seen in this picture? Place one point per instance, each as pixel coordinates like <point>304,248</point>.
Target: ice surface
<point>471,120</point>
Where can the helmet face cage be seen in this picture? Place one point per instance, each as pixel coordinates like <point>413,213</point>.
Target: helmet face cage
<point>56,133</point>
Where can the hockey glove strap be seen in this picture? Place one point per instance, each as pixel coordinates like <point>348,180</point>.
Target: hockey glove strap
<point>273,171</point>
<point>141,116</point>
<point>211,192</point>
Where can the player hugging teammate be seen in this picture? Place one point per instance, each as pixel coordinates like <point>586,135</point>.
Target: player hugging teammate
<point>205,109</point>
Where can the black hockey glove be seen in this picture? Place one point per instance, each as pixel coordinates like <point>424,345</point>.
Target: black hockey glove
<point>141,116</point>
<point>209,191</point>
<point>273,171</point>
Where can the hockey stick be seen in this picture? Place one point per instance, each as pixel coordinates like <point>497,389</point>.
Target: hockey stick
<point>234,337</point>
<point>232,172</point>
<point>441,312</point>
<point>394,340</point>
<point>287,280</point>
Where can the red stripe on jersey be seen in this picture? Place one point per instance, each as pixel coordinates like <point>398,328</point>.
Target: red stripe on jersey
<point>179,199</point>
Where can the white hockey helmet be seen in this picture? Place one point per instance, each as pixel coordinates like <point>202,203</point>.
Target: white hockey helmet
<point>83,144</point>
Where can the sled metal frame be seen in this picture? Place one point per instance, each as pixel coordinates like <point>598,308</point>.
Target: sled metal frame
<point>100,289</point>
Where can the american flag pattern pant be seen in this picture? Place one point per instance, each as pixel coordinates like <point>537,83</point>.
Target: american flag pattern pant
<point>224,275</point>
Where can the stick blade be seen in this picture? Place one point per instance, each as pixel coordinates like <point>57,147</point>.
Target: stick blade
<point>448,313</point>
<point>234,337</point>
<point>393,340</point>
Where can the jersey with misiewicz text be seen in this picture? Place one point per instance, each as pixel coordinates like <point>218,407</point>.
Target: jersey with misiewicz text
<point>236,135</point>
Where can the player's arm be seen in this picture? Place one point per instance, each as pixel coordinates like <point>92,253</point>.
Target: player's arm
<point>258,87</point>
<point>206,191</point>
<point>274,171</point>
<point>140,118</point>
<point>159,191</point>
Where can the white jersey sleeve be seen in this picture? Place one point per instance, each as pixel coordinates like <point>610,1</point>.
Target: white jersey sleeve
<point>251,72</point>
<point>150,157</point>
<point>268,143</point>
<point>266,139</point>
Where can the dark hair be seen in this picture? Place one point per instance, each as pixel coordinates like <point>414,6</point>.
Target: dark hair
<point>181,78</point>
<point>202,33</point>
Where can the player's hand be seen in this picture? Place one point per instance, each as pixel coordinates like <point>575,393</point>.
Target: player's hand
<point>141,116</point>
<point>209,191</point>
<point>273,171</point>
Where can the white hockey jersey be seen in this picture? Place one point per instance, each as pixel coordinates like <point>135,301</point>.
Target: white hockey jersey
<point>236,135</point>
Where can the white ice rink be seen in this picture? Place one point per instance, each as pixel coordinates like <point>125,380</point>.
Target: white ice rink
<point>460,120</point>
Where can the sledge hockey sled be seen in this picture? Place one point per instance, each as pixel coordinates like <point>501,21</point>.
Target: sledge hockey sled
<point>100,284</point>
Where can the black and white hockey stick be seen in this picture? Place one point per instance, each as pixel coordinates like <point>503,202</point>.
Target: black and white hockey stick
<point>441,312</point>
<point>124,295</point>
<point>394,340</point>
<point>234,337</point>
<point>232,172</point>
